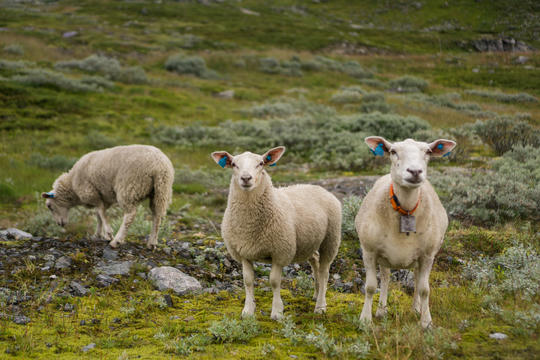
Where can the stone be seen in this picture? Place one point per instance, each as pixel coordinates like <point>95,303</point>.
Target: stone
<point>63,263</point>
<point>249,12</point>
<point>167,277</point>
<point>498,336</point>
<point>69,34</point>
<point>227,94</point>
<point>88,347</point>
<point>406,278</point>
<point>21,319</point>
<point>110,254</point>
<point>69,307</point>
<point>168,300</point>
<point>521,60</point>
<point>105,280</point>
<point>114,268</point>
<point>15,234</point>
<point>77,289</point>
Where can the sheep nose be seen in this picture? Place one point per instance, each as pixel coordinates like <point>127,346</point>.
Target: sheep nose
<point>415,173</point>
<point>246,178</point>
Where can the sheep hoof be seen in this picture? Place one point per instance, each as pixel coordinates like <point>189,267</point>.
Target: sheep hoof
<point>426,325</point>
<point>381,312</point>
<point>320,310</point>
<point>151,246</point>
<point>113,244</point>
<point>276,315</point>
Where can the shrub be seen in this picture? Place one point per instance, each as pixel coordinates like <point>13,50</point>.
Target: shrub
<point>56,162</point>
<point>508,192</point>
<point>272,109</point>
<point>374,83</point>
<point>96,140</point>
<point>502,97</point>
<point>377,106</point>
<point>48,78</point>
<point>14,49</point>
<point>271,65</point>
<point>15,65</point>
<point>232,330</point>
<point>503,133</point>
<point>109,67</point>
<point>7,191</point>
<point>351,205</point>
<point>190,65</point>
<point>346,96</point>
<point>408,84</point>
<point>141,225</point>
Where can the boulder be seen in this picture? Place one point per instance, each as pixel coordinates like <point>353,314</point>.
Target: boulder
<point>167,277</point>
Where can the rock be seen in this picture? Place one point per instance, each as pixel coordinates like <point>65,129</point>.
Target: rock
<point>105,280</point>
<point>168,300</point>
<point>498,336</point>
<point>77,289</point>
<point>63,263</point>
<point>500,44</point>
<point>68,307</point>
<point>15,234</point>
<point>406,278</point>
<point>114,268</point>
<point>88,347</point>
<point>227,94</point>
<point>110,254</point>
<point>69,34</point>
<point>249,12</point>
<point>82,322</point>
<point>167,277</point>
<point>521,60</point>
<point>48,257</point>
<point>475,70</point>
<point>20,319</point>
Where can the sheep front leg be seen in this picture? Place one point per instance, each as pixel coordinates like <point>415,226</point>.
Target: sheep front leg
<point>103,229</point>
<point>249,278</point>
<point>416,295</point>
<point>129,215</point>
<point>275,282</point>
<point>385,280</point>
<point>99,226</point>
<point>314,262</point>
<point>371,284</point>
<point>424,269</point>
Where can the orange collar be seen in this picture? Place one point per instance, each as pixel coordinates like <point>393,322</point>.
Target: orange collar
<point>397,206</point>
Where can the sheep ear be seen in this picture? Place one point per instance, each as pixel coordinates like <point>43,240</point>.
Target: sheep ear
<point>378,145</point>
<point>441,147</point>
<point>272,156</point>
<point>47,195</point>
<point>222,158</point>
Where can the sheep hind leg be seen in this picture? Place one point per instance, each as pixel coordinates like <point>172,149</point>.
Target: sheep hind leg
<point>153,239</point>
<point>275,282</point>
<point>129,215</point>
<point>324,271</point>
<point>370,264</point>
<point>385,280</point>
<point>249,279</point>
<point>314,262</point>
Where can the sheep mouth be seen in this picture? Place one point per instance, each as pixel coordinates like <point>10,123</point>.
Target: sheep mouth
<point>414,181</point>
<point>246,186</point>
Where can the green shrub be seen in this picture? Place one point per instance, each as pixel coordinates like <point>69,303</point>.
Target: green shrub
<point>271,65</point>
<point>189,65</point>
<point>14,49</point>
<point>271,110</point>
<point>141,225</point>
<point>374,83</point>
<point>350,208</point>
<point>377,106</point>
<point>109,67</point>
<point>408,84</point>
<point>502,97</point>
<point>7,191</point>
<point>503,133</point>
<point>346,97</point>
<point>56,162</point>
<point>232,330</point>
<point>15,65</point>
<point>96,140</point>
<point>48,78</point>
<point>509,191</point>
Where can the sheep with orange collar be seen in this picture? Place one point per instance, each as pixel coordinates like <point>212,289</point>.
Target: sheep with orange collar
<point>277,225</point>
<point>123,175</point>
<point>401,222</point>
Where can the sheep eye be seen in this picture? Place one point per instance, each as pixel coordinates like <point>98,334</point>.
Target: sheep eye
<point>392,152</point>
<point>233,165</point>
<point>261,163</point>
<point>49,207</point>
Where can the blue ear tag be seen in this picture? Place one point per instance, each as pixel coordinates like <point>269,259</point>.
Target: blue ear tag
<point>378,150</point>
<point>223,161</point>
<point>447,154</point>
<point>268,157</point>
<point>440,146</point>
<point>50,194</point>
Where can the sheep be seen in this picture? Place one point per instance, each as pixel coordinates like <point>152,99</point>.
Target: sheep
<point>277,225</point>
<point>125,175</point>
<point>386,238</point>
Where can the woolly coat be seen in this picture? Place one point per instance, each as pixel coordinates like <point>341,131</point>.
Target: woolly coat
<point>281,225</point>
<point>377,224</point>
<point>124,174</point>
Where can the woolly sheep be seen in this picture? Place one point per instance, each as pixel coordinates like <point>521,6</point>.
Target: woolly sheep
<point>378,224</point>
<point>125,175</point>
<point>278,225</point>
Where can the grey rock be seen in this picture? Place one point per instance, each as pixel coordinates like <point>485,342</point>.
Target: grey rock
<point>68,307</point>
<point>406,278</point>
<point>114,268</point>
<point>88,347</point>
<point>110,254</point>
<point>63,263</point>
<point>70,34</point>
<point>15,234</point>
<point>167,277</point>
<point>498,336</point>
<point>521,60</point>
<point>227,94</point>
<point>48,257</point>
<point>77,289</point>
<point>105,280</point>
<point>168,300</point>
<point>21,319</point>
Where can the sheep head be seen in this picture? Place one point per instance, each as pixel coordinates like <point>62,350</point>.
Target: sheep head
<point>409,157</point>
<point>58,201</point>
<point>248,167</point>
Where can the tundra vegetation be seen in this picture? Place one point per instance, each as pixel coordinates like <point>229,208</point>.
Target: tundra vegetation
<point>317,77</point>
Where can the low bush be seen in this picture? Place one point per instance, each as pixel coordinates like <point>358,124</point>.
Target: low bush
<point>346,97</point>
<point>351,205</point>
<point>408,84</point>
<point>141,225</point>
<point>503,97</point>
<point>56,162</point>
<point>48,78</point>
<point>189,65</point>
<point>232,330</point>
<point>14,49</point>
<point>97,141</point>
<point>503,133</point>
<point>15,65</point>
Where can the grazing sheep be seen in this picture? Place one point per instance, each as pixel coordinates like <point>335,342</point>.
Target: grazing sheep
<point>385,240</point>
<point>125,175</point>
<point>278,225</point>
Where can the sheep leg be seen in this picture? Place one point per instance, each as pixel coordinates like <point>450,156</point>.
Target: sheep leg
<point>324,270</point>
<point>105,230</point>
<point>99,226</point>
<point>385,280</point>
<point>129,215</point>
<point>424,269</point>
<point>249,278</point>
<point>370,264</point>
<point>314,262</point>
<point>416,295</point>
<point>153,239</point>
<point>275,282</point>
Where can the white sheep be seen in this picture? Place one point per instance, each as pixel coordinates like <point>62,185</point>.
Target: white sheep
<point>278,225</point>
<point>125,175</point>
<point>392,244</point>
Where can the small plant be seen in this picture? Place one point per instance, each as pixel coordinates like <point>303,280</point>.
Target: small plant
<point>189,65</point>
<point>503,133</point>
<point>502,97</point>
<point>268,349</point>
<point>322,341</point>
<point>56,162</point>
<point>408,84</point>
<point>351,205</point>
<point>142,224</point>
<point>14,49</point>
<point>304,283</point>
<point>48,78</point>
<point>232,330</point>
<point>346,97</point>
